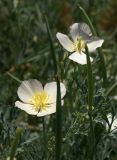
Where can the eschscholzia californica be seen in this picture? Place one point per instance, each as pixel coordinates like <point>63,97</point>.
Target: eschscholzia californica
<point>38,100</point>
<point>81,36</point>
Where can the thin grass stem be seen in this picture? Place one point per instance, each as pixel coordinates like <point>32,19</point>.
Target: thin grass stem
<point>90,105</point>
<point>14,77</point>
<point>111,89</point>
<point>102,61</point>
<point>15,143</point>
<point>44,138</point>
<point>58,104</point>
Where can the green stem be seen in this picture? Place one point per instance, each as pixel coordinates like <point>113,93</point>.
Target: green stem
<point>103,67</point>
<point>58,122</point>
<point>88,20</point>
<point>44,139</point>
<point>90,81</point>
<point>58,103</point>
<point>102,61</point>
<point>12,76</point>
<point>14,143</point>
<point>111,89</point>
<point>52,46</point>
<point>90,105</point>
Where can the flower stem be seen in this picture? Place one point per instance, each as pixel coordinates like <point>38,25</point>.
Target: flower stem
<point>90,105</point>
<point>51,46</point>
<point>58,122</point>
<point>58,104</point>
<point>12,76</point>
<point>111,89</point>
<point>102,61</point>
<point>14,143</point>
<point>44,138</point>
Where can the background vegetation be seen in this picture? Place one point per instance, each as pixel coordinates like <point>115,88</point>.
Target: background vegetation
<point>25,52</point>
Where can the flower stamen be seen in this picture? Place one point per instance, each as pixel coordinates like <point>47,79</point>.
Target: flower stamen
<point>40,100</point>
<point>79,45</point>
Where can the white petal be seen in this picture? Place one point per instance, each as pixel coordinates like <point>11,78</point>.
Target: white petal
<point>80,30</point>
<point>114,125</point>
<point>94,43</point>
<point>27,89</point>
<point>51,90</point>
<point>62,102</point>
<point>49,110</point>
<point>79,58</point>
<point>26,107</point>
<point>65,42</point>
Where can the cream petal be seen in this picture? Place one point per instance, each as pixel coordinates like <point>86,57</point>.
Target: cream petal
<point>94,43</point>
<point>49,110</point>
<point>27,89</point>
<point>114,125</point>
<point>80,30</point>
<point>79,58</point>
<point>65,42</point>
<point>62,102</point>
<point>51,90</point>
<point>26,107</point>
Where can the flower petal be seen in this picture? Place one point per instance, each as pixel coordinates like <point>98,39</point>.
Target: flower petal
<point>79,58</point>
<point>51,90</point>
<point>65,42</point>
<point>80,30</point>
<point>114,124</point>
<point>94,43</point>
<point>27,89</point>
<point>26,107</point>
<point>49,110</point>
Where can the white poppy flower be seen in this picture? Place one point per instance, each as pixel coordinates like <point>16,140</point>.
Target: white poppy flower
<point>80,37</point>
<point>36,100</point>
<point>114,124</point>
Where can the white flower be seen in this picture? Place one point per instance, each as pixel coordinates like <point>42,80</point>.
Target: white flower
<point>8,158</point>
<point>114,124</point>
<point>16,3</point>
<point>36,100</point>
<point>80,37</point>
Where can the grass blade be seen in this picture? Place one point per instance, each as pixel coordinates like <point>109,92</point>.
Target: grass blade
<point>51,46</point>
<point>14,77</point>
<point>90,105</point>
<point>102,61</point>
<point>15,142</point>
<point>58,105</point>
<point>111,89</point>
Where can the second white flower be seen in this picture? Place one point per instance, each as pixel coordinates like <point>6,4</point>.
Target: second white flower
<point>80,36</point>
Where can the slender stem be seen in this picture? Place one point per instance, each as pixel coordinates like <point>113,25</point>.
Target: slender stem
<point>15,142</point>
<point>103,67</point>
<point>90,104</point>
<point>44,138</point>
<point>12,76</point>
<point>111,89</point>
<point>88,20</point>
<point>58,104</point>
<point>102,61</point>
<point>58,122</point>
<point>52,46</point>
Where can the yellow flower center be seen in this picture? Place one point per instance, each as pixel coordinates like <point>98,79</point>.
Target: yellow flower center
<point>40,100</point>
<point>79,45</point>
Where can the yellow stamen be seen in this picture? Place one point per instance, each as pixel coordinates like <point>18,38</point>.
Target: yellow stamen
<point>40,100</point>
<point>79,45</point>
